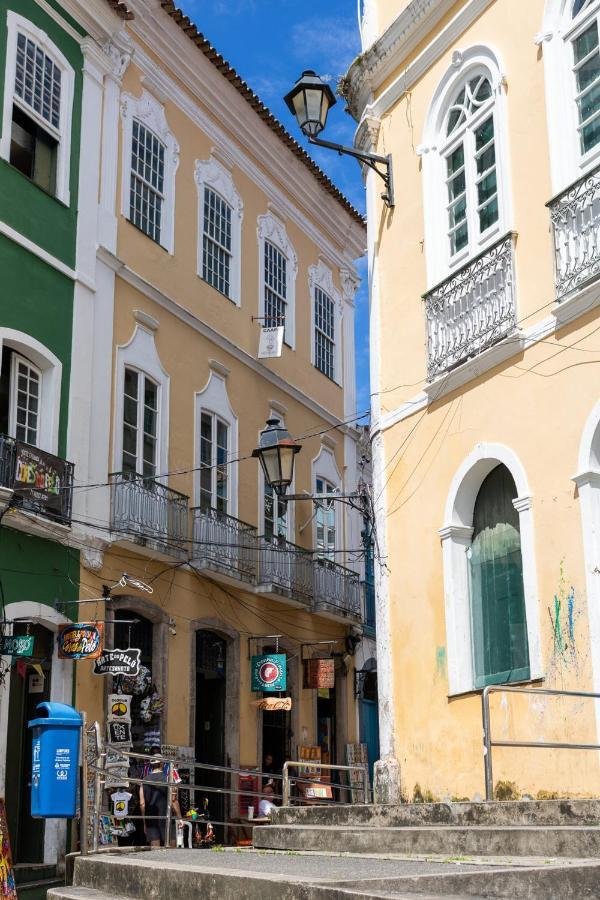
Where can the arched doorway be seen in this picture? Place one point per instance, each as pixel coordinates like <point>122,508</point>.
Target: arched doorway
<point>498,616</point>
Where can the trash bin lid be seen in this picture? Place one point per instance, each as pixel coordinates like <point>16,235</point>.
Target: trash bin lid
<point>57,714</point>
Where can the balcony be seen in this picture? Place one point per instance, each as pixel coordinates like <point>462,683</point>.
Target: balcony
<point>575,217</point>
<point>472,310</point>
<point>149,513</point>
<point>285,571</point>
<point>224,546</point>
<point>41,482</point>
<point>337,591</point>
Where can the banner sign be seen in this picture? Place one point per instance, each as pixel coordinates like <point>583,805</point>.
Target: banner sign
<point>17,645</point>
<point>118,662</point>
<point>80,641</point>
<point>273,704</point>
<point>319,674</point>
<point>271,342</point>
<point>41,477</point>
<point>269,672</point>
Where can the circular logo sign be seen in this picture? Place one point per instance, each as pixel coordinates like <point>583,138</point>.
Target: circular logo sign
<point>268,672</point>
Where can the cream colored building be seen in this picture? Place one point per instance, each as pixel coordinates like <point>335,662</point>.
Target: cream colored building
<point>210,220</point>
<point>486,416</point>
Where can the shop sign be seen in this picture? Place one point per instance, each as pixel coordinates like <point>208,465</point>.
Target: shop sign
<point>17,645</point>
<point>273,704</point>
<point>80,641</point>
<point>319,674</point>
<point>41,478</point>
<point>271,342</point>
<point>118,662</point>
<point>269,672</point>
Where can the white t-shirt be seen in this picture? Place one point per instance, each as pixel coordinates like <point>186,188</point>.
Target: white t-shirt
<point>120,804</point>
<point>265,807</point>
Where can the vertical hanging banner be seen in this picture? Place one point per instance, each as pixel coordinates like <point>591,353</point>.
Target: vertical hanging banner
<point>269,672</point>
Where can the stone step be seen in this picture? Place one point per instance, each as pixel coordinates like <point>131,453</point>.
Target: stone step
<point>478,840</point>
<point>82,893</point>
<point>520,812</point>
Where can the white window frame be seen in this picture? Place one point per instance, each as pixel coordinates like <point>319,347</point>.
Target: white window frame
<point>321,276</point>
<point>325,467</point>
<point>456,535</point>
<point>139,451</point>
<point>147,110</point>
<point>13,396</point>
<point>211,173</point>
<point>215,420</point>
<point>140,353</point>
<point>559,30</point>
<point>271,229</point>
<point>18,24</point>
<point>214,399</point>
<point>474,62</point>
<point>291,521</point>
<point>50,368</point>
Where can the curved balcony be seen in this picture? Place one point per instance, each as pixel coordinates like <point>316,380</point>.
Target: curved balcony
<point>223,545</point>
<point>148,513</point>
<point>337,591</point>
<point>575,217</point>
<point>285,570</point>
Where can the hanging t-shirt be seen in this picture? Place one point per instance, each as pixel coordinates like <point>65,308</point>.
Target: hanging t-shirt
<point>120,802</point>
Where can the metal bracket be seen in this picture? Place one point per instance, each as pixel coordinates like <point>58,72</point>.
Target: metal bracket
<point>372,160</point>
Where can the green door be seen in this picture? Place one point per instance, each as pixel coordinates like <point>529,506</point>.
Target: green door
<point>499,624</point>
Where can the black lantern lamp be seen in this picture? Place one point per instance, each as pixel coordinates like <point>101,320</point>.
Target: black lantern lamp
<point>276,451</point>
<point>310,101</point>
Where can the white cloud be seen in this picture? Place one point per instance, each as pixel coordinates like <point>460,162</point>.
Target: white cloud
<point>332,41</point>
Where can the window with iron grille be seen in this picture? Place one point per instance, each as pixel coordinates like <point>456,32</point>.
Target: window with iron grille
<point>324,333</point>
<point>147,181</point>
<point>275,287</point>
<point>217,244</point>
<point>214,469</point>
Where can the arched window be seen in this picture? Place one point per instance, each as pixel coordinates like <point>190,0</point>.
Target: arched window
<point>499,624</point>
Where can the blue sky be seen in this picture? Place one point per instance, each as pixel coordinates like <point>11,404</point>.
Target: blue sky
<point>270,43</point>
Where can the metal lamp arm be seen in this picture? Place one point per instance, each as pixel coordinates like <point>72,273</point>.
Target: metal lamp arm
<point>372,160</point>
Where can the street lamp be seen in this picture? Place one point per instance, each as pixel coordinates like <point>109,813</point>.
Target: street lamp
<point>310,101</point>
<point>276,451</point>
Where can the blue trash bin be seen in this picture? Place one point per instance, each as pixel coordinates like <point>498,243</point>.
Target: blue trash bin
<point>55,769</point>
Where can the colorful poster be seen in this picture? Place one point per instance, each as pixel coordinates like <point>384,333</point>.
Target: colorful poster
<point>269,672</point>
<point>83,640</point>
<point>8,888</point>
<point>41,480</point>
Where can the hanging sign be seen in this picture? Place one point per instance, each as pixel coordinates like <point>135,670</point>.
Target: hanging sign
<point>8,890</point>
<point>80,641</point>
<point>269,672</point>
<point>118,662</point>
<point>119,733</point>
<point>273,704</point>
<point>271,342</point>
<point>40,479</point>
<point>17,645</point>
<point>319,674</point>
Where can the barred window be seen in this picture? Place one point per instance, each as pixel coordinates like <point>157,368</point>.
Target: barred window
<point>324,333</point>
<point>147,181</point>
<point>217,247</point>
<point>275,287</point>
<point>37,81</point>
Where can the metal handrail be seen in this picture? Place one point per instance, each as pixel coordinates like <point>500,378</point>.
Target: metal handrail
<point>488,743</point>
<point>305,764</point>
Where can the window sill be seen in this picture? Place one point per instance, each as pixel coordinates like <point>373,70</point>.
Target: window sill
<point>478,692</point>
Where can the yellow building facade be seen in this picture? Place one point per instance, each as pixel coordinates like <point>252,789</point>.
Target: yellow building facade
<point>486,413</point>
<point>208,221</point>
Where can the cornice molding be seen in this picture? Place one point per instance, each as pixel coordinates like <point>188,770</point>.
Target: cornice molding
<point>369,71</point>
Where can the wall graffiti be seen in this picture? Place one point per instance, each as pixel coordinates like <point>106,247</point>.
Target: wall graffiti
<point>569,652</point>
<point>440,662</point>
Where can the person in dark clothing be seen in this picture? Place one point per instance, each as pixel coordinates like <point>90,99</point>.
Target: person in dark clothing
<point>153,803</point>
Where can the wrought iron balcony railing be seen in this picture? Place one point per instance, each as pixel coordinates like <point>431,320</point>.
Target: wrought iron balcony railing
<point>336,590</point>
<point>472,310</point>
<point>285,568</point>
<point>224,544</point>
<point>149,512</point>
<point>42,483</point>
<point>575,217</point>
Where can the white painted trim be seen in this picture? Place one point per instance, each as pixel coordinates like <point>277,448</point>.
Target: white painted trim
<point>147,110</point>
<point>140,353</point>
<point>476,60</point>
<point>213,398</point>
<point>61,682</point>
<point>219,340</point>
<point>50,368</point>
<point>212,173</point>
<point>321,276</point>
<point>15,24</point>
<point>324,466</point>
<point>273,230</point>
<point>456,538</point>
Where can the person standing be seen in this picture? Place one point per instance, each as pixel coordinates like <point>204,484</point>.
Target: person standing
<point>154,798</point>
